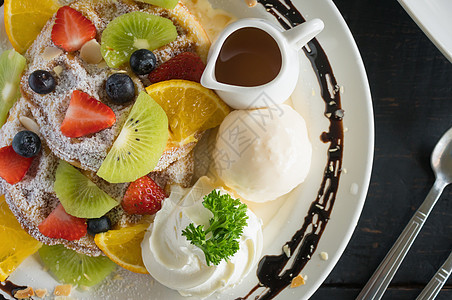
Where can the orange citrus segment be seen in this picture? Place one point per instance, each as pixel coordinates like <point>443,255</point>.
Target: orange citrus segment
<point>24,20</point>
<point>123,246</point>
<point>190,107</point>
<point>16,244</point>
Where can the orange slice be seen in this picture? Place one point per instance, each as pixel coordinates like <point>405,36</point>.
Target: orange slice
<point>190,107</point>
<point>123,246</point>
<point>16,244</point>
<point>24,20</point>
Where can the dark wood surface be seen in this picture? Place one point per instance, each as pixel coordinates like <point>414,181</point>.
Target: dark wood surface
<point>411,85</point>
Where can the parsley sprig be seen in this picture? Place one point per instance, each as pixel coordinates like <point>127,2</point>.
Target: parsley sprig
<point>219,240</point>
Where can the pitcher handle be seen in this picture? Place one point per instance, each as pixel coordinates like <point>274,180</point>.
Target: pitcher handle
<point>301,34</point>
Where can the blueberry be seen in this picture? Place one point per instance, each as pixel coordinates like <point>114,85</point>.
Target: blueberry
<point>26,143</point>
<point>42,82</point>
<point>142,61</point>
<point>120,88</point>
<point>98,225</point>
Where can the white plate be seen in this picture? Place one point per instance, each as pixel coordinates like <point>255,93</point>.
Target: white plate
<point>347,65</point>
<point>433,17</point>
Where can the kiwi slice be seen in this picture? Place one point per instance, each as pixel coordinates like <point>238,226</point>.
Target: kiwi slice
<point>170,4</point>
<point>75,268</point>
<point>140,143</point>
<point>11,66</point>
<point>133,31</point>
<point>80,196</point>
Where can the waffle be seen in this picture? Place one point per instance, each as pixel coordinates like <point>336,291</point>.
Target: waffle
<point>49,110</point>
<point>33,198</point>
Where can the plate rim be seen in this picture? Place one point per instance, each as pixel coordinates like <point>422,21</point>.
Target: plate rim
<point>332,261</point>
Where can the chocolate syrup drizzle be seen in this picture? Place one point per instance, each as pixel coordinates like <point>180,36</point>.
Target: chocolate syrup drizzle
<point>9,288</point>
<point>274,271</point>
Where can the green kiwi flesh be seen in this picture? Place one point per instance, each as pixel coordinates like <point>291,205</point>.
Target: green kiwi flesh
<point>170,4</point>
<point>11,66</point>
<point>75,268</point>
<point>133,31</point>
<point>140,144</point>
<point>79,195</point>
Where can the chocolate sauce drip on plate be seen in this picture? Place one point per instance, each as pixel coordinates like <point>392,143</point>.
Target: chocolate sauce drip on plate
<point>9,288</point>
<point>274,272</point>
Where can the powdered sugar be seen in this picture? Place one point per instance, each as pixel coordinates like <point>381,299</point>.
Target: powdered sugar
<point>33,199</point>
<point>49,110</point>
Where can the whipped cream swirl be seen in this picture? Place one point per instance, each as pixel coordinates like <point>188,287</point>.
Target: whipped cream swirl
<point>174,262</point>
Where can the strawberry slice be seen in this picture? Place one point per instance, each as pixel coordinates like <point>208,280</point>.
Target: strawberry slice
<point>60,225</point>
<point>13,167</point>
<point>186,65</point>
<point>86,115</point>
<point>143,197</point>
<point>72,29</point>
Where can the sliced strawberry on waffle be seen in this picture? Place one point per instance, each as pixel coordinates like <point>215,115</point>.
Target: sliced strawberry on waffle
<point>72,30</point>
<point>186,65</point>
<point>86,115</point>
<point>143,197</point>
<point>13,167</point>
<point>60,225</point>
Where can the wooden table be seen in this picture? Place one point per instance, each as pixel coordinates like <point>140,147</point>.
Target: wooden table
<point>411,85</point>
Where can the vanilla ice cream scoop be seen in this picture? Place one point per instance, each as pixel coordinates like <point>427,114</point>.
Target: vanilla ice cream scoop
<point>263,154</point>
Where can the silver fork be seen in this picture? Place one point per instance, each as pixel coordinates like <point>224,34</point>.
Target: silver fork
<point>441,162</point>
<point>432,289</point>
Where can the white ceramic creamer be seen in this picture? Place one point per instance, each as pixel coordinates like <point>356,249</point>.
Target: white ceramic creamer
<point>254,64</point>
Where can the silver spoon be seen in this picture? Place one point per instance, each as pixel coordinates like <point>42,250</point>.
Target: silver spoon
<point>441,161</point>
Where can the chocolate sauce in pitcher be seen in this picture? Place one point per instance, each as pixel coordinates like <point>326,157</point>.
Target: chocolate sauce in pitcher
<point>248,57</point>
<point>274,272</point>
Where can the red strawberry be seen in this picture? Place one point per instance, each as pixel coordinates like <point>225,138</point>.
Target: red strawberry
<point>60,225</point>
<point>72,29</point>
<point>143,197</point>
<point>86,115</point>
<point>186,65</point>
<point>13,167</point>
